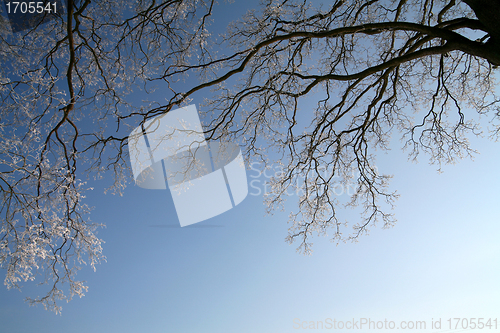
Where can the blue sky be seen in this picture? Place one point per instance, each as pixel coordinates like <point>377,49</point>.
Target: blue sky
<point>235,273</point>
<point>439,261</point>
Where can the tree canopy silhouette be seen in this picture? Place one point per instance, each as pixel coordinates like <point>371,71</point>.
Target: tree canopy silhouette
<point>69,85</point>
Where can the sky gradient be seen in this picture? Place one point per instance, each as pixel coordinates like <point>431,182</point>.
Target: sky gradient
<point>235,273</point>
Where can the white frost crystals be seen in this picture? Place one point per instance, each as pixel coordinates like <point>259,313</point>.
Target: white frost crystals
<point>43,230</point>
<point>205,179</point>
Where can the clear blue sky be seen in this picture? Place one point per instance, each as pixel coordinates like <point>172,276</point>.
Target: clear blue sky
<point>235,273</point>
